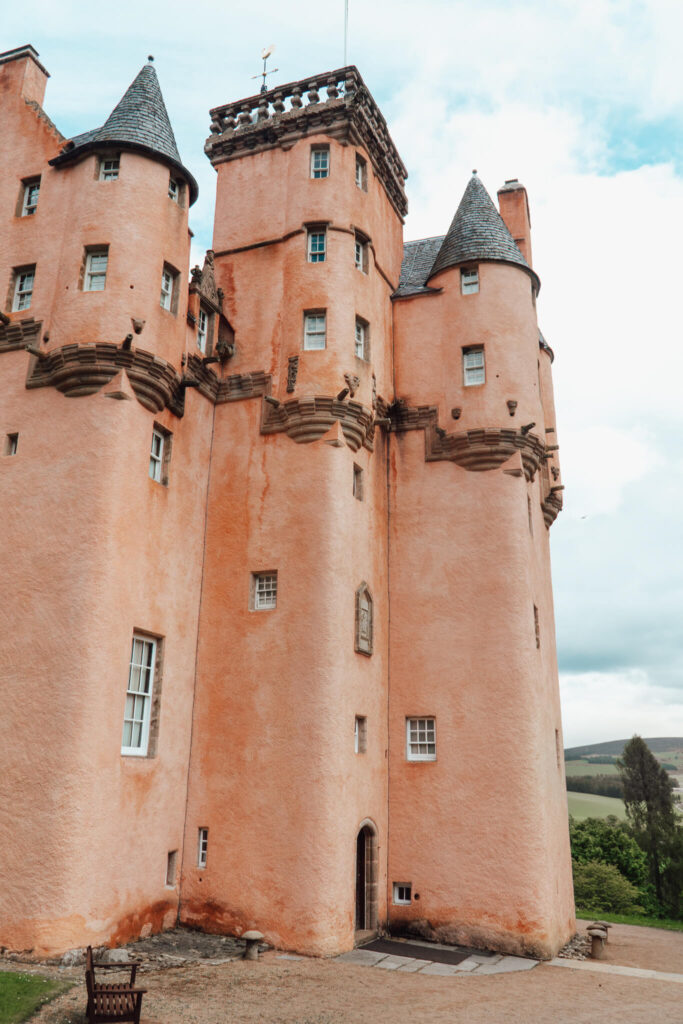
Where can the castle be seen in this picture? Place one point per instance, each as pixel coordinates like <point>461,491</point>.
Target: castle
<point>277,644</point>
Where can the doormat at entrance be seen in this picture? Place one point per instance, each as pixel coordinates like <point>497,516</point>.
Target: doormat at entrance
<point>437,954</point>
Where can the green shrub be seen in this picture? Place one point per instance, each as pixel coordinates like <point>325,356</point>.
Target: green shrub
<point>602,888</point>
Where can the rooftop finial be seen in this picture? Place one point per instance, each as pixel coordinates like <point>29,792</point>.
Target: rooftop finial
<point>150,58</point>
<point>474,171</point>
<point>265,54</point>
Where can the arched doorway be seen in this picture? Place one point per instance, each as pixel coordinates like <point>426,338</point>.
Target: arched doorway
<point>366,878</point>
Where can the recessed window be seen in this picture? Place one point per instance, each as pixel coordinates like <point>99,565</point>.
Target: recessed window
<point>361,173</point>
<point>364,620</point>
<point>24,278</point>
<point>357,482</point>
<point>175,190</point>
<point>11,444</point>
<point>31,190</point>
<point>403,892</point>
<point>160,455</point>
<point>531,521</point>
<point>202,847</point>
<point>315,331</point>
<point>537,627</point>
<point>360,251</point>
<point>137,715</point>
<point>362,345</point>
<point>205,322</point>
<point>421,739</point>
<point>169,289</point>
<point>171,862</point>
<point>320,161</point>
<point>96,263</point>
<point>316,246</point>
<point>264,591</point>
<point>360,734</point>
<point>109,168</point>
<point>473,371</point>
<point>469,280</point>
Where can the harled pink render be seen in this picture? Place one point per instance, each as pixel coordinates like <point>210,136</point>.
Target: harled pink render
<point>165,448</point>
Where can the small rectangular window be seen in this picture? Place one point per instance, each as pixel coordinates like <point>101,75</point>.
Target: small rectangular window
<point>204,330</point>
<point>360,257</point>
<point>169,289</point>
<point>361,173</point>
<point>109,168</point>
<point>320,161</point>
<point>357,482</point>
<point>96,263</point>
<point>469,281</point>
<point>537,628</point>
<point>173,190</point>
<point>531,521</point>
<point>137,715</point>
<point>315,331</point>
<point>421,739</point>
<point>403,892</point>
<point>264,591</point>
<point>316,246</point>
<point>360,734</point>
<point>11,444</point>
<point>171,862</point>
<point>30,198</point>
<point>362,340</point>
<point>202,847</point>
<point>160,455</point>
<point>24,278</point>
<point>473,366</point>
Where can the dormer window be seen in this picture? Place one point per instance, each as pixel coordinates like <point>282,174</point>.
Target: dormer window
<point>320,161</point>
<point>109,168</point>
<point>30,198</point>
<point>469,280</point>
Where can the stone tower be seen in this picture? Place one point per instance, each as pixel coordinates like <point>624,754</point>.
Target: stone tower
<point>279,574</point>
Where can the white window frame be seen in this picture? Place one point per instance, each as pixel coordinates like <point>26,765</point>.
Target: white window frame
<point>362,339</point>
<point>361,173</point>
<point>202,330</point>
<point>157,454</point>
<point>469,280</point>
<point>138,709</point>
<point>420,733</point>
<point>31,195</point>
<point>109,168</point>
<point>315,331</point>
<point>96,273</point>
<point>202,847</point>
<point>360,254</point>
<point>264,591</point>
<point>402,893</point>
<point>173,190</point>
<point>320,168</point>
<point>316,254</point>
<point>473,366</point>
<point>168,288</point>
<point>24,283</point>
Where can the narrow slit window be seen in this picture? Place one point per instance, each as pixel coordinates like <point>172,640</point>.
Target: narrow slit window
<point>361,173</point>
<point>403,892</point>
<point>316,246</point>
<point>537,627</point>
<point>357,482</point>
<point>315,331</point>
<point>24,280</point>
<point>320,161</point>
<point>202,847</point>
<point>469,280</point>
<point>171,861</point>
<point>11,444</point>
<point>96,263</point>
<point>421,739</point>
<point>473,366</point>
<point>30,201</point>
<point>360,734</point>
<point>156,456</point>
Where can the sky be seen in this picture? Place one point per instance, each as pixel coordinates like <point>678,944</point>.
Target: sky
<point>582,100</point>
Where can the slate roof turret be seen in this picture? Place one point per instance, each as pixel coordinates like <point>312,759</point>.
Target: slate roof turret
<point>138,122</point>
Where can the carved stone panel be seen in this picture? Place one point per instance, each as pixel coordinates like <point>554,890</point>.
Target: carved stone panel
<point>364,619</point>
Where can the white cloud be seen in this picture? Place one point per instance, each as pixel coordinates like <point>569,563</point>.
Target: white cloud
<point>601,706</point>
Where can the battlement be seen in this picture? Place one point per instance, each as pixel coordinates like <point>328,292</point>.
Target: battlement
<point>283,115</point>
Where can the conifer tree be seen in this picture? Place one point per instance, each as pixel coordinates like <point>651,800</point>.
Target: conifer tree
<point>648,796</point>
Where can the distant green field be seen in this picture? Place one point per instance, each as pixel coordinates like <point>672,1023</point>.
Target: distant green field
<point>589,805</point>
<point>665,747</point>
<point>586,768</point>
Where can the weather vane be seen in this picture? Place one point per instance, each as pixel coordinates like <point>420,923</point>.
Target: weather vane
<point>265,54</point>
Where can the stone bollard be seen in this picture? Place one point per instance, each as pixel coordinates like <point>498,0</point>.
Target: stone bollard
<point>604,925</point>
<point>252,938</point>
<point>598,939</point>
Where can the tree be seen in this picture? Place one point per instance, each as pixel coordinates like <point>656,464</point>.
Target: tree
<point>607,841</point>
<point>648,796</point>
<point>601,888</point>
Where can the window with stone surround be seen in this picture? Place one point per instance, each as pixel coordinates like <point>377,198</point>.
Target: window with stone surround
<point>202,847</point>
<point>362,339</point>
<point>169,288</point>
<point>364,620</point>
<point>95,268</point>
<point>421,739</point>
<point>29,196</point>
<point>23,279</point>
<point>469,280</point>
<point>140,721</point>
<point>109,168</point>
<point>473,370</point>
<point>315,330</point>
<point>361,173</point>
<point>320,161</point>
<point>317,243</point>
<point>263,595</point>
<point>205,329</point>
<point>360,734</point>
<point>360,252</point>
<point>160,455</point>
<point>402,893</point>
<point>357,482</point>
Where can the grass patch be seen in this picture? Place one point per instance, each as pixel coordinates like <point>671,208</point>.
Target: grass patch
<point>22,994</point>
<point>586,768</point>
<point>641,921</point>
<point>591,805</point>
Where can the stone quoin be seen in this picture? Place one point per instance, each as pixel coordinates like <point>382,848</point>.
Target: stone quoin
<point>278,648</point>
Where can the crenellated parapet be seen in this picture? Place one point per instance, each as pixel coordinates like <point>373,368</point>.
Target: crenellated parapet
<point>281,116</point>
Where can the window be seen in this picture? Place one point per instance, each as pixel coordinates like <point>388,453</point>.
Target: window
<point>402,893</point>
<point>537,627</point>
<point>23,288</point>
<point>364,620</point>
<point>204,330</point>
<point>357,482</point>
<point>136,720</point>
<point>202,847</point>
<point>171,862</point>
<point>531,521</point>
<point>173,190</point>
<point>30,197</point>
<point>315,331</point>
<point>320,161</point>
<point>109,168</point>
<point>160,455</point>
<point>421,739</point>
<point>360,257</point>
<point>361,173</point>
<point>169,289</point>
<point>11,444</point>
<point>360,734</point>
<point>469,280</point>
<point>362,339</point>
<point>96,262</point>
<point>264,591</point>
<point>316,246</point>
<point>473,366</point>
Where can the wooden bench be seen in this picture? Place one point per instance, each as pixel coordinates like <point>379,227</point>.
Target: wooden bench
<point>108,1002</point>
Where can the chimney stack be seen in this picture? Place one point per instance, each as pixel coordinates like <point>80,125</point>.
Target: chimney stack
<point>22,73</point>
<point>514,209</point>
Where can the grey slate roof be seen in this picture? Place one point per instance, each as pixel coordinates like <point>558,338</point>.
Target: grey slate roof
<point>139,121</point>
<point>477,232</point>
<point>418,258</point>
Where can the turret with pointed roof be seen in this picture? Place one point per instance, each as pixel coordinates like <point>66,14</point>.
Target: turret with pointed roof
<point>138,122</point>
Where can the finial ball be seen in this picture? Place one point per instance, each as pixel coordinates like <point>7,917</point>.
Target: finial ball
<point>150,58</point>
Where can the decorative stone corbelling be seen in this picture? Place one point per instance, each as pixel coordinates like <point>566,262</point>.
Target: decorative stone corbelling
<point>551,506</point>
<point>19,333</point>
<point>228,389</point>
<point>307,419</point>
